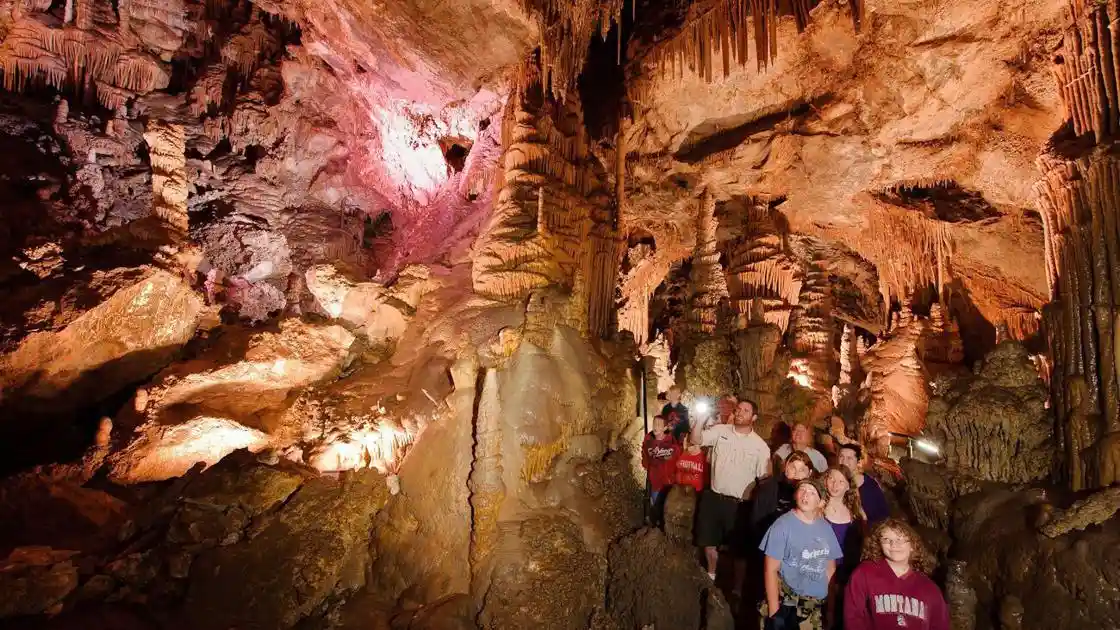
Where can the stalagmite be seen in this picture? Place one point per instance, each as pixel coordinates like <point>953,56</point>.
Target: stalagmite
<point>486,485</point>
<point>709,286</point>
<point>167,148</point>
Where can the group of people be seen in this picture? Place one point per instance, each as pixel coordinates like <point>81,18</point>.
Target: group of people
<point>830,554</point>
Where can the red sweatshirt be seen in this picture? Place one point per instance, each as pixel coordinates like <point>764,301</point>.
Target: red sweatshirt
<point>659,457</point>
<point>877,599</point>
<point>692,470</point>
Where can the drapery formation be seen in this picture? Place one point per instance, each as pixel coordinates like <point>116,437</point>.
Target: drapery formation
<point>554,223</point>
<point>720,36</point>
<point>763,280</point>
<point>1079,196</point>
<point>96,50</point>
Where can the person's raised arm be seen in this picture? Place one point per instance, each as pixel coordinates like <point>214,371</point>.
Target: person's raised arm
<point>700,433</point>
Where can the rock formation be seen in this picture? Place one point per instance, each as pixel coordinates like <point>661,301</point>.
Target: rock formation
<point>352,315</point>
<point>994,426</point>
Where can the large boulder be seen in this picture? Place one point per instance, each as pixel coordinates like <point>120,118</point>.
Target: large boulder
<point>233,396</point>
<point>35,580</point>
<point>312,548</point>
<point>127,336</point>
<point>547,578</point>
<point>1070,580</point>
<point>371,309</point>
<point>36,510</point>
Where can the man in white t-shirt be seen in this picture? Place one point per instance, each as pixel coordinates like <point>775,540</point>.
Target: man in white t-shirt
<point>801,440</point>
<point>739,458</point>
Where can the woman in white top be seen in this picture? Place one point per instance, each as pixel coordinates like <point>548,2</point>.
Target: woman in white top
<point>802,440</point>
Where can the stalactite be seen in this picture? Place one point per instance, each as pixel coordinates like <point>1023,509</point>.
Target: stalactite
<point>909,251</point>
<point>70,57</point>
<point>724,29</point>
<point>554,220</point>
<point>763,280</point>
<point>566,29</point>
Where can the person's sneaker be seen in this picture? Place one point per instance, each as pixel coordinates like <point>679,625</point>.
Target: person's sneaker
<point>712,577</point>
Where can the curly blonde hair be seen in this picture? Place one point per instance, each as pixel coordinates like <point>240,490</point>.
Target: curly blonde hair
<point>851,497</point>
<point>921,559</point>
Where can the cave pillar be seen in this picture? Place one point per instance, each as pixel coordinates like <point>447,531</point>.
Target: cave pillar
<point>764,284</point>
<point>167,151</point>
<point>708,285</point>
<point>555,224</point>
<point>814,330</point>
<point>1079,197</point>
<point>705,353</point>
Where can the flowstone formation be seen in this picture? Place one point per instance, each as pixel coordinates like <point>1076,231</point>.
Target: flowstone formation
<point>994,426</point>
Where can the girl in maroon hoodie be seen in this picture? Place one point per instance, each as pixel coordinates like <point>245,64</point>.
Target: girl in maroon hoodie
<point>890,589</point>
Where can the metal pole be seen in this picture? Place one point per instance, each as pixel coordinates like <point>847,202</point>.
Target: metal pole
<point>645,432</point>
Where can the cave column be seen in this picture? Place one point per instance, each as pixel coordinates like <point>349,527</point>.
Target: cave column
<point>814,331</point>
<point>1079,196</point>
<point>708,285</point>
<point>167,151</point>
<point>706,354</point>
<point>485,481</point>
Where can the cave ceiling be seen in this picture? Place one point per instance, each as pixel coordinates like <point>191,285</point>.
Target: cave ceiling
<point>369,132</point>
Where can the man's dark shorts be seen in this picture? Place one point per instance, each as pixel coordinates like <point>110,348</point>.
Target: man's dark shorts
<point>723,520</point>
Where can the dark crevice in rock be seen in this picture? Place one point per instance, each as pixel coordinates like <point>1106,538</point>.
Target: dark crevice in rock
<point>944,201</point>
<point>713,136</point>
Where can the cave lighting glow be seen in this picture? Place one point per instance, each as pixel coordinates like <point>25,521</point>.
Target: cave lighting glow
<point>799,372</point>
<point>412,162</point>
<point>409,134</point>
<point>927,446</point>
<point>381,447</point>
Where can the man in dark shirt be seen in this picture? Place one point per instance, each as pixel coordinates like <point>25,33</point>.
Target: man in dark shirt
<point>674,406</point>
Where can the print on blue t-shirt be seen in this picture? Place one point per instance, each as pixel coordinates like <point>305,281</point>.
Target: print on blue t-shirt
<point>804,550</point>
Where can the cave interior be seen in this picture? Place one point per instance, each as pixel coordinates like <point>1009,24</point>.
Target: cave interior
<point>353,315</point>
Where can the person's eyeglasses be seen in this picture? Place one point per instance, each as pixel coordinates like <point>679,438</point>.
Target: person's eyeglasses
<point>895,542</point>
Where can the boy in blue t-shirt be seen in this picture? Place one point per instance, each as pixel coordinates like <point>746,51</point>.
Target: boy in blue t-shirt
<point>801,553</point>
